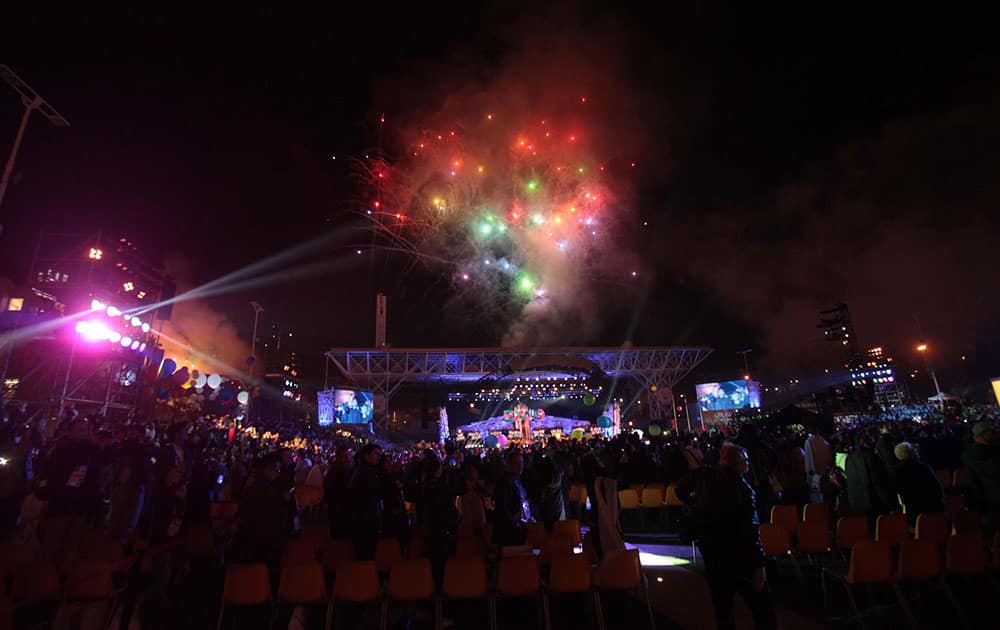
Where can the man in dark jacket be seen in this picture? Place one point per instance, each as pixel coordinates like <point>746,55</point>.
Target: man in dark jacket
<point>511,510</point>
<point>917,485</point>
<point>263,513</point>
<point>73,476</point>
<point>366,502</point>
<point>727,531</point>
<point>337,494</point>
<point>869,484</point>
<point>982,460</point>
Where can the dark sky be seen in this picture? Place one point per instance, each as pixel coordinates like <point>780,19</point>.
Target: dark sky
<point>797,156</point>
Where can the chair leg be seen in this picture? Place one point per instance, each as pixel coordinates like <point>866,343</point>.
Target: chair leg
<point>385,614</point>
<point>329,615</point>
<point>491,612</point>
<point>438,618</point>
<point>854,604</point>
<point>222,609</point>
<point>904,604</point>
<point>597,609</point>
<point>954,602</point>
<point>649,604</point>
<point>545,611</point>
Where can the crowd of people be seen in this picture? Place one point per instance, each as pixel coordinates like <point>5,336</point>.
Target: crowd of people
<point>140,482</point>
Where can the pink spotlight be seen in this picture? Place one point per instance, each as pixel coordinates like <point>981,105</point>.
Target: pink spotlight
<point>135,345</point>
<point>92,331</point>
<point>114,337</point>
<point>113,312</point>
<point>142,347</point>
<point>126,342</point>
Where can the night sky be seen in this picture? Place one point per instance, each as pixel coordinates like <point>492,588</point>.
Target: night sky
<point>789,157</point>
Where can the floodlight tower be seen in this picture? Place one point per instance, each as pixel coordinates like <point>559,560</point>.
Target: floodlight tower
<point>32,101</point>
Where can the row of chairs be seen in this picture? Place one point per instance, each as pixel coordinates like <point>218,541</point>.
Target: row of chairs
<point>953,479</point>
<point>465,578</point>
<point>871,562</point>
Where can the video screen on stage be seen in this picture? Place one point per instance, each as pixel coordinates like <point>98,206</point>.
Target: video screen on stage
<point>352,407</point>
<point>728,395</point>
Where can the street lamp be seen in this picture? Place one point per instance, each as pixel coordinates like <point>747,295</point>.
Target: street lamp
<point>922,349</point>
<point>32,101</point>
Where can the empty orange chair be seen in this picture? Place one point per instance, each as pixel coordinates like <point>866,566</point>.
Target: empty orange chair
<point>578,493</point>
<point>965,554</point>
<point>200,540</point>
<point>555,546</point>
<point>672,500</point>
<point>387,553</point>
<point>308,496</point>
<point>814,537</point>
<point>932,528</point>
<point>465,578</point>
<point>918,560</point>
<point>871,563</point>
<point>245,585</point>
<point>571,574</point>
<point>652,497</point>
<point>409,581</point>
<point>966,523</point>
<point>852,530</point>
<point>316,534</point>
<point>302,584</point>
<point>776,540</point>
<point>466,530</point>
<point>954,503</point>
<point>891,528</point>
<point>960,478</point>
<point>622,571</point>
<point>569,528</point>
<point>89,582</point>
<point>785,516</point>
<point>536,535</point>
<point>337,553</point>
<point>470,548</point>
<point>628,499</point>
<point>357,582</point>
<point>297,552</point>
<point>518,576</point>
<point>816,513</point>
<point>35,583</point>
<point>944,476</point>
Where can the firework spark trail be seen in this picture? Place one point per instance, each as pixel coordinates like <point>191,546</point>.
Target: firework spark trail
<point>523,212</point>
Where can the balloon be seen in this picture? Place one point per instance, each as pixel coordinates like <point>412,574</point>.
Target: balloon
<point>589,400</point>
<point>490,441</point>
<point>199,379</point>
<point>214,380</point>
<point>243,398</point>
<point>195,374</point>
<point>502,440</point>
<point>169,365</point>
<point>604,422</point>
<point>655,429</point>
<point>577,434</point>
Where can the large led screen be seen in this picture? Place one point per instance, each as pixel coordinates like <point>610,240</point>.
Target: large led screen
<point>352,407</point>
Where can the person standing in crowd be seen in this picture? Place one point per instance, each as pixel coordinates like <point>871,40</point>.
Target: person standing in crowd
<point>366,502</point>
<point>130,464</point>
<point>727,529</point>
<point>869,484</point>
<point>472,502</point>
<point>761,474</point>
<point>819,461</point>
<point>73,478</point>
<point>916,483</point>
<point>790,471</point>
<point>982,460</point>
<point>263,518</point>
<point>511,510</point>
<point>337,494</point>
<point>551,507</point>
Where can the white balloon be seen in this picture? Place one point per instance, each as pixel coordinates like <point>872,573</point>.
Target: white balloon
<point>200,380</point>
<point>214,380</point>
<point>243,397</point>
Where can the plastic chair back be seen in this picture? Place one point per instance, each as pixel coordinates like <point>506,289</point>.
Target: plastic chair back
<point>672,499</point>
<point>297,552</point>
<point>578,493</point>
<point>621,571</point>
<point>337,553</point>
<point>944,477</point>
<point>200,541</point>
<point>954,503</point>
<point>356,582</point>
<point>411,580</point>
<point>536,535</point>
<point>785,516</point>
<point>628,499</point>
<point>852,530</point>
<point>960,478</point>
<point>470,548</point>
<point>466,530</point>
<point>570,574</point>
<point>316,534</point>
<point>891,528</point>
<point>871,562</point>
<point>518,575</point>
<point>555,546</point>
<point>387,553</point>
<point>247,585</point>
<point>652,497</point>
<point>776,540</point>
<point>966,523</point>
<point>465,578</point>
<point>965,554</point>
<point>816,513</point>
<point>37,582</point>
<point>814,537</point>
<point>302,583</point>
<point>932,528</point>
<point>569,528</point>
<point>918,560</point>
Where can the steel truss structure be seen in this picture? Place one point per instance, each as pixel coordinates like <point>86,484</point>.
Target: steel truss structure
<point>384,370</point>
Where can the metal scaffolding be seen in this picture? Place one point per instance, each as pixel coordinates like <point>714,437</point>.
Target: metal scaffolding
<point>382,371</point>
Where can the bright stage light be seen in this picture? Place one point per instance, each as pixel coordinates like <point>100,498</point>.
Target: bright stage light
<point>114,337</point>
<point>135,345</point>
<point>96,305</point>
<point>128,286</point>
<point>145,328</point>
<point>142,347</point>
<point>126,342</point>
<point>95,254</point>
<point>140,294</point>
<point>92,331</point>
<point>136,321</point>
<point>113,312</point>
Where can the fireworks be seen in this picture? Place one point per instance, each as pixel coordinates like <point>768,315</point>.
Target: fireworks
<point>520,210</point>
